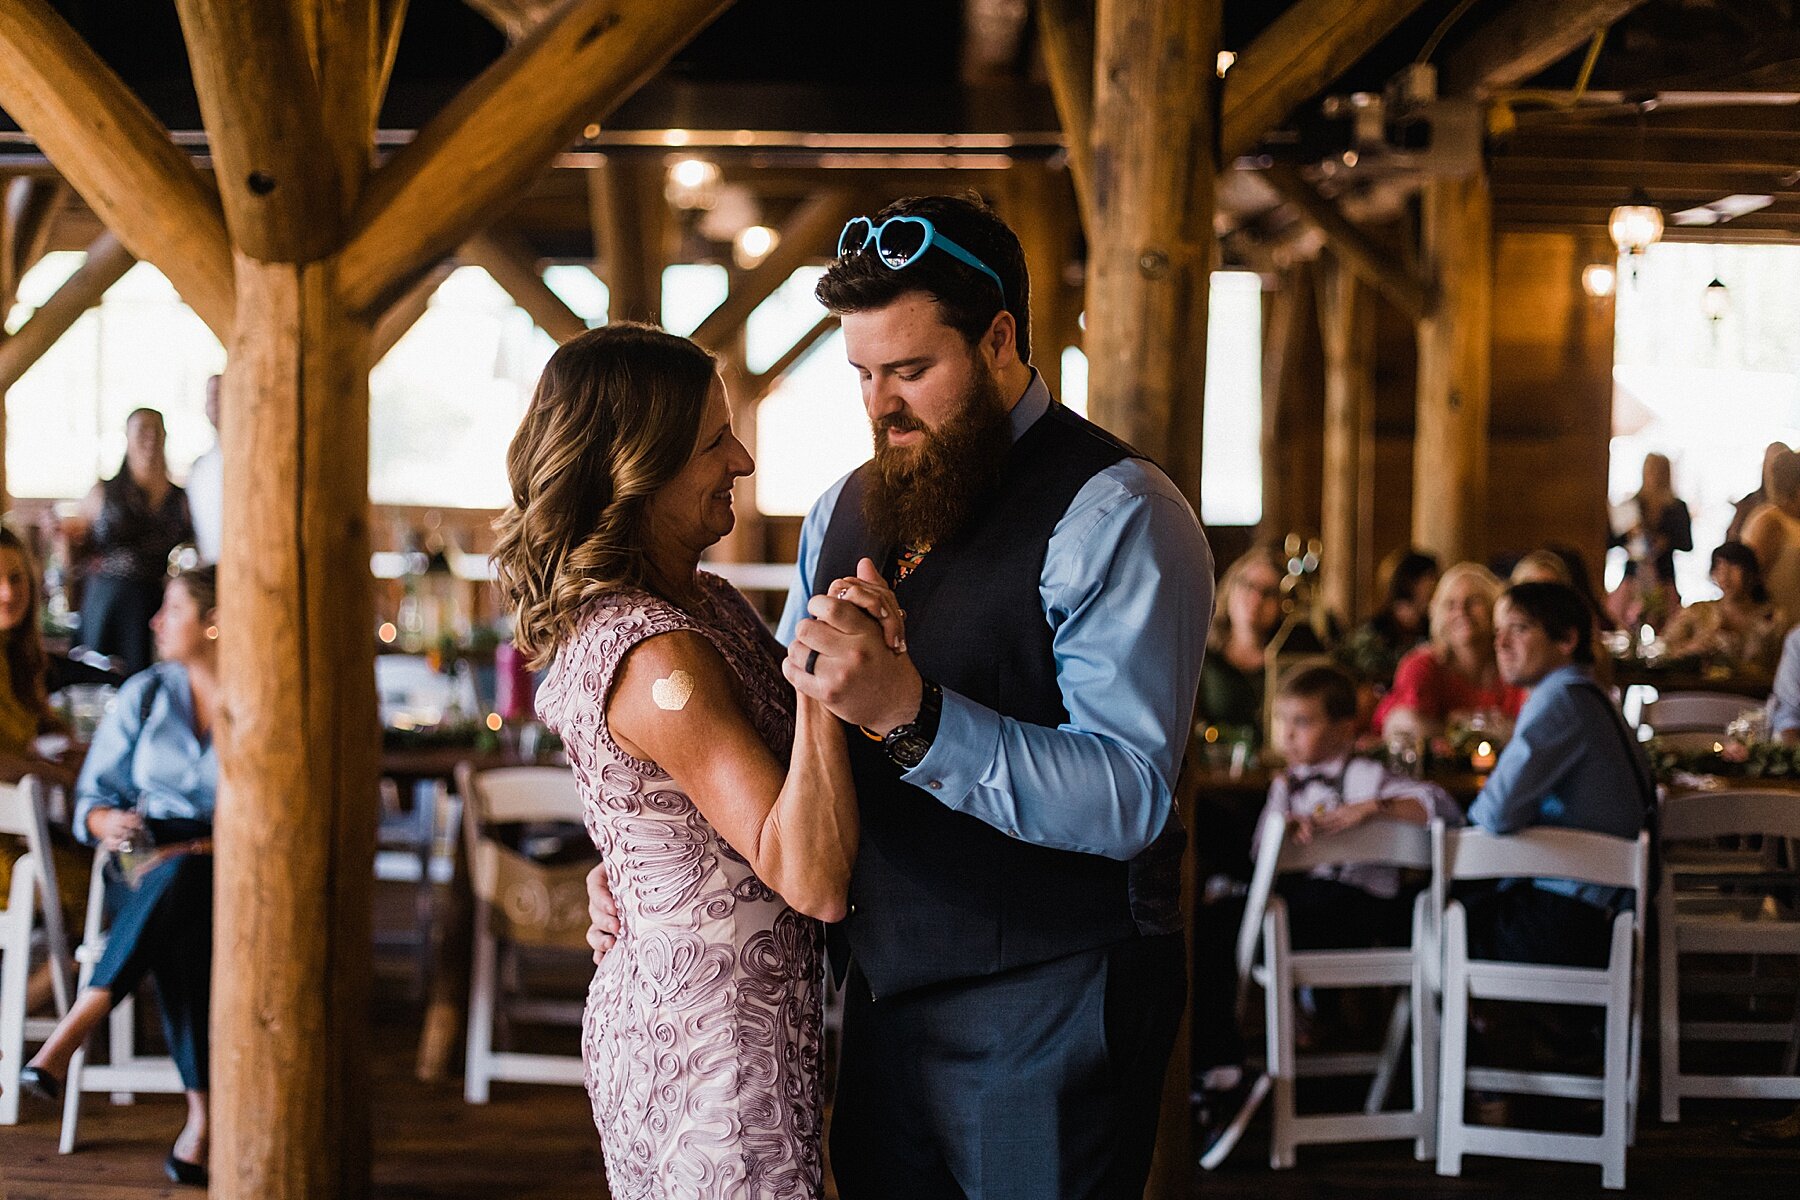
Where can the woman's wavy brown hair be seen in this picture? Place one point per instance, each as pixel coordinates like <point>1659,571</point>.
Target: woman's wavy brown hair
<point>24,646</point>
<point>615,416</point>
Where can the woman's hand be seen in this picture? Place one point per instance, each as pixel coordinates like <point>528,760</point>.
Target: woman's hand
<point>871,593</point>
<point>603,913</point>
<point>112,827</point>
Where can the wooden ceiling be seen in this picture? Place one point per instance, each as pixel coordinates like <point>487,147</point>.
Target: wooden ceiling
<point>1689,99</point>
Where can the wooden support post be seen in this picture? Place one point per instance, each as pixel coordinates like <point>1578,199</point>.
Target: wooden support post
<point>30,211</point>
<point>1150,254</point>
<point>113,151</point>
<point>1150,248</point>
<point>1451,448</point>
<point>629,216</point>
<point>808,236</point>
<point>1066,38</point>
<point>507,258</point>
<point>1347,322</point>
<point>107,261</point>
<point>1039,210</point>
<point>299,748</point>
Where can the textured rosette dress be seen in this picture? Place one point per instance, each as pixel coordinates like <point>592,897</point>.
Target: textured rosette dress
<point>702,1031</point>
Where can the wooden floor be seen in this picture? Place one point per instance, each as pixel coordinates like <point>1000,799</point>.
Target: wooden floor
<point>538,1143</point>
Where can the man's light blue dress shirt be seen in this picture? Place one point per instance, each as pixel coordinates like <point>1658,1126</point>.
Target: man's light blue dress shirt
<point>1784,701</point>
<point>1127,589</point>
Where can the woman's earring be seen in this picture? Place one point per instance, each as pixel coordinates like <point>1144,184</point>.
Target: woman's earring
<point>212,633</point>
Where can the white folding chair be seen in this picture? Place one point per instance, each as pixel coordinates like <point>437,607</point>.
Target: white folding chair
<point>1542,853</point>
<point>1746,919</point>
<point>1284,969</point>
<point>33,891</point>
<point>521,902</point>
<point>1677,713</point>
<point>126,1072</point>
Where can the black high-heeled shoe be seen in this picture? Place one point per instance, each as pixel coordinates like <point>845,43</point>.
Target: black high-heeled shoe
<point>180,1170</point>
<point>40,1085</point>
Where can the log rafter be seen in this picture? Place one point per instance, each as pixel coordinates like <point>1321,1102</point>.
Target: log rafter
<point>1408,292</point>
<point>505,127</point>
<point>806,236</point>
<point>107,262</point>
<point>757,387</point>
<point>1525,38</point>
<point>505,256</point>
<point>112,151</point>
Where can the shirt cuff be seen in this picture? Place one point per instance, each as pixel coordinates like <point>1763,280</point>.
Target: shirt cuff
<point>968,738</point>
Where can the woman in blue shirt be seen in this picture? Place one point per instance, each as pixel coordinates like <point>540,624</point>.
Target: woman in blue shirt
<point>147,790</point>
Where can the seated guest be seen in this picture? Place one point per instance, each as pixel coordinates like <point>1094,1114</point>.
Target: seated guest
<point>1571,762</point>
<point>1773,532</point>
<point>147,791</point>
<point>1741,627</point>
<point>1323,791</point>
<point>1244,620</point>
<point>1455,673</point>
<point>1540,566</point>
<point>1784,701</point>
<point>1374,650</point>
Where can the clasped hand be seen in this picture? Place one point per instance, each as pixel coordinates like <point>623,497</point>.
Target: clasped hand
<point>860,670</point>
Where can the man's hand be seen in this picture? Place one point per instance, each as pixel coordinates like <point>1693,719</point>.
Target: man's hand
<point>857,672</point>
<point>603,913</point>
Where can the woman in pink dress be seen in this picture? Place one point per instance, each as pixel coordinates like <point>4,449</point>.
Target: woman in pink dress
<point>1453,675</point>
<point>725,817</point>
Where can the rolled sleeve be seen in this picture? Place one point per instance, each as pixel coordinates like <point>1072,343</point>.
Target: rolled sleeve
<point>812,540</point>
<point>106,773</point>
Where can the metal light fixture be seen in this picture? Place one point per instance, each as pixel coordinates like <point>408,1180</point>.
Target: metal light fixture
<point>1635,225</point>
<point>692,183</point>
<point>1715,301</point>
<point>1599,280</point>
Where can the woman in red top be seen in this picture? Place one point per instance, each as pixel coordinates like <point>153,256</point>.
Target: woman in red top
<point>1455,673</point>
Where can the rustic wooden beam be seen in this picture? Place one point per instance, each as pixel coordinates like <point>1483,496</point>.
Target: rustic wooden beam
<point>1150,256</point>
<point>298,748</point>
<point>504,128</point>
<point>31,205</point>
<point>107,261</point>
<point>405,312</point>
<point>266,127</point>
<point>507,258</point>
<point>1039,208</point>
<point>1450,456</point>
<point>1302,52</point>
<point>809,235</point>
<point>351,44</point>
<point>629,218</point>
<point>1377,267</point>
<point>1150,248</point>
<point>1066,39</point>
<point>1347,321</point>
<point>387,51</point>
<point>1523,39</point>
<point>112,151</point>
<point>757,387</point>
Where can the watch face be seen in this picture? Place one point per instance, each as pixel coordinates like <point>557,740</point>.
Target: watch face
<point>909,751</point>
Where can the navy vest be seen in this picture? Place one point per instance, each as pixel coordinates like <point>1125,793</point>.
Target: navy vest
<point>938,895</point>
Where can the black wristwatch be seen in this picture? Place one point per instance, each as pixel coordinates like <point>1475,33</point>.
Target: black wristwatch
<point>906,745</point>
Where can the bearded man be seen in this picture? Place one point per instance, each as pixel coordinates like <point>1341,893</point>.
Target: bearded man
<point>1015,963</point>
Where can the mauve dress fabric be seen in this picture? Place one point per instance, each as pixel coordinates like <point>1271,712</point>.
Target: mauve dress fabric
<point>702,1034</point>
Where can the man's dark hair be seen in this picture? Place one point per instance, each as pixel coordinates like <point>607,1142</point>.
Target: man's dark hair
<point>1331,686</point>
<point>1560,610</point>
<point>966,298</point>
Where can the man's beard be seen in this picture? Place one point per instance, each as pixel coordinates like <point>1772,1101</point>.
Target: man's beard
<point>922,494</point>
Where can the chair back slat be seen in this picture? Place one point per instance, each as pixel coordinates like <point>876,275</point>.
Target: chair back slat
<point>1688,712</point>
<point>506,794</point>
<point>15,811</point>
<point>1704,815</point>
<point>1544,852</point>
